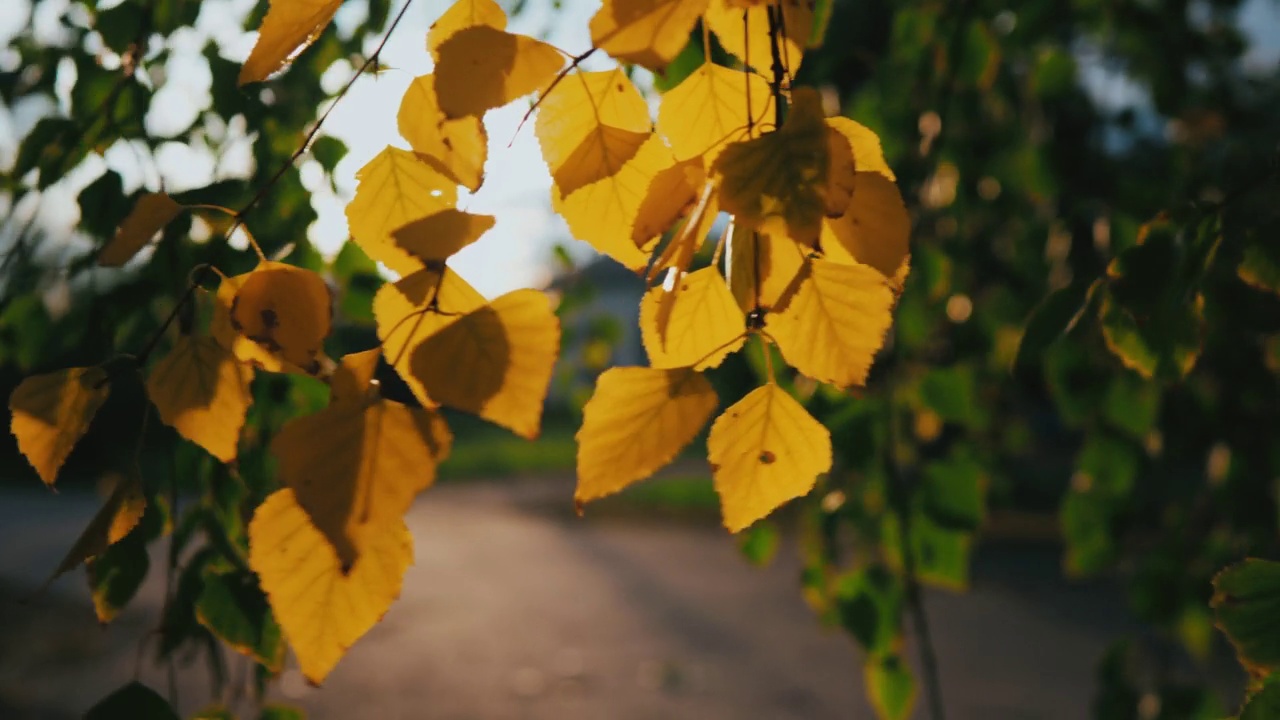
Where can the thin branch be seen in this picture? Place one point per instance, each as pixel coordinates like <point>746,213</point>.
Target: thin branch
<point>575,61</point>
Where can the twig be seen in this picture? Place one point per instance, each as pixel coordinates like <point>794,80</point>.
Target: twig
<point>574,62</point>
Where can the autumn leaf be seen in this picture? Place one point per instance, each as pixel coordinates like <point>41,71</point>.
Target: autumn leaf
<point>356,466</point>
<point>495,361</point>
<point>460,16</point>
<point>712,107</point>
<point>244,349</point>
<point>765,450</point>
<point>352,379</point>
<point>287,310</point>
<point>149,216</point>
<point>590,126</point>
<point>786,181</point>
<point>600,213</point>
<point>834,324</point>
<point>203,392</point>
<point>671,194</point>
<point>411,310</point>
<point>49,413</point>
<point>744,32</point>
<point>395,188</point>
<point>865,145</point>
<point>290,26</point>
<point>763,270</point>
<point>695,325</point>
<point>457,148</point>
<point>481,68</point>
<point>321,609</point>
<point>118,516</point>
<point>645,32</point>
<point>435,238</point>
<point>875,230</point>
<point>636,422</point>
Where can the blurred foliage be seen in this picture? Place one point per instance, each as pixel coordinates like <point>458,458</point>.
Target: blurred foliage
<point>1091,328</point>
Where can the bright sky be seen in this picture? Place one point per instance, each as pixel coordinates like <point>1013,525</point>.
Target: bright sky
<point>516,253</point>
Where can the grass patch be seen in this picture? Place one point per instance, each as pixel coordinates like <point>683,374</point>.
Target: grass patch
<point>481,450</point>
<point>672,494</point>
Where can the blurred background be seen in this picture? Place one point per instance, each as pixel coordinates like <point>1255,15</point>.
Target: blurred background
<point>1072,429</point>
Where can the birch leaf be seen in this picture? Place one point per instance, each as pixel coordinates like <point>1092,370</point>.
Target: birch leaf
<point>50,413</point>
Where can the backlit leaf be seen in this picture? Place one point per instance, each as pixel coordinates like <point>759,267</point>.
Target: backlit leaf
<point>149,216</point>
<point>434,238</point>
<point>461,15</point>
<point>891,688</point>
<point>711,108</point>
<point>414,308</point>
<point>481,68</point>
<point>645,32</point>
<point>785,182</point>
<point>868,156</point>
<point>287,310</point>
<point>672,192</point>
<point>764,450</point>
<point>458,148</point>
<point>1246,599</point>
<point>353,377</point>
<point>495,361</point>
<point>751,43</point>
<point>875,230</point>
<point>244,349</point>
<point>290,26</point>
<point>118,516</point>
<point>323,610</point>
<point>834,324</point>
<point>356,466</point>
<point>763,271</point>
<point>203,392</point>
<point>636,422</point>
<point>396,188</point>
<point>49,413</point>
<point>601,212</point>
<point>696,325</point>
<point>591,125</point>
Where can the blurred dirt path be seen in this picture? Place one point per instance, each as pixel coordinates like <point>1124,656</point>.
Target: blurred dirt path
<point>516,611</point>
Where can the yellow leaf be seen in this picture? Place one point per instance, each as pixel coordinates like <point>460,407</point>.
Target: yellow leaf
<point>495,361</point>
<point>149,216</point>
<point>697,324</point>
<point>765,450</point>
<point>118,516</point>
<point>287,310</point>
<point>636,422</point>
<point>244,349</point>
<point>875,230</point>
<point>395,188</point>
<point>203,392</point>
<point>834,324</point>
<point>352,379</point>
<point>865,144</point>
<point>289,27</point>
<point>712,107</point>
<point>434,238</point>
<point>591,125</point>
<point>356,466</point>
<point>778,183</point>
<point>645,32</point>
<point>461,15</point>
<point>411,310</point>
<point>763,270</point>
<point>672,193</point>
<point>321,609</point>
<point>49,413</point>
<point>602,212</point>
<point>751,43</point>
<point>457,148</point>
<point>688,238</point>
<point>481,68</point>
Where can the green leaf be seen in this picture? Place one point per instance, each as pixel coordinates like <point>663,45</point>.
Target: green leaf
<point>759,543</point>
<point>954,492</point>
<point>1054,317</point>
<point>1131,405</point>
<point>681,66</point>
<point>1264,705</point>
<point>328,151</point>
<point>1108,465</point>
<point>1260,266</point>
<point>1086,529</point>
<point>1246,597</point>
<point>891,687</point>
<point>234,608</point>
<point>952,392</point>
<point>1166,348</point>
<point>102,205</point>
<point>48,147</point>
<point>134,701</point>
<point>116,574</point>
<point>121,26</point>
<point>869,605</point>
<point>941,555</point>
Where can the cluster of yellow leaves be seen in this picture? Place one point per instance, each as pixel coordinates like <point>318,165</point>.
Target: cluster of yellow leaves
<point>814,250</point>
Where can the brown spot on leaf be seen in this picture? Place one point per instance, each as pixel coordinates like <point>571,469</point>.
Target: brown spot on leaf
<point>767,457</point>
